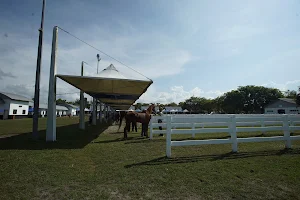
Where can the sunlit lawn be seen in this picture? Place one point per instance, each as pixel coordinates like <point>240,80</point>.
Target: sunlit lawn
<point>90,165</point>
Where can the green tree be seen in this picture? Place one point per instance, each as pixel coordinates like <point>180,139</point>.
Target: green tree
<point>88,104</point>
<point>138,106</point>
<point>181,104</point>
<point>249,99</point>
<point>232,102</point>
<point>61,101</point>
<point>197,105</point>
<point>292,94</point>
<point>298,98</point>
<point>76,102</point>
<point>172,104</point>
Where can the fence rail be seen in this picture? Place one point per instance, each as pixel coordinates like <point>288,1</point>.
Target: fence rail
<point>231,124</point>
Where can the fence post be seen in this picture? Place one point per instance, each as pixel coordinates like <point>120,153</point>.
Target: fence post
<point>151,129</point>
<point>286,132</point>
<point>193,128</point>
<point>168,136</point>
<point>262,123</point>
<point>233,134</point>
<point>290,121</point>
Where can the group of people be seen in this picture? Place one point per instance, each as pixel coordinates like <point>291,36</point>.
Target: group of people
<point>115,117</point>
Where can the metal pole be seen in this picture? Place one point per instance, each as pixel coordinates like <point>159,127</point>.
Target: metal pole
<point>100,112</point>
<point>98,58</point>
<point>37,79</point>
<point>81,112</point>
<point>94,112</point>
<point>51,116</point>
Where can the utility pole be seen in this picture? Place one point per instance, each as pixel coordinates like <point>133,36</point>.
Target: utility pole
<point>37,79</point>
<point>98,57</point>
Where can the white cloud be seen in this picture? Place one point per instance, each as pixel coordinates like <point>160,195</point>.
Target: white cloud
<point>175,94</point>
<point>288,85</point>
<point>19,58</point>
<point>237,32</point>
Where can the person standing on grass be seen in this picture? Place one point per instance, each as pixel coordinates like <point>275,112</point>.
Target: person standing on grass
<point>160,113</point>
<point>90,118</point>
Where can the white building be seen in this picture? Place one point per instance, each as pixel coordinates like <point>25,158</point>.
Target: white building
<point>43,108</point>
<point>61,111</point>
<point>13,106</point>
<point>71,109</point>
<point>282,106</point>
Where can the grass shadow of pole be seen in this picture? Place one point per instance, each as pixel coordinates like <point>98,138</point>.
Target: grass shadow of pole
<point>68,137</point>
<point>177,160</point>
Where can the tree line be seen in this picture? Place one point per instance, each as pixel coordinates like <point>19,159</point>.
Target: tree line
<point>248,99</point>
<point>76,102</point>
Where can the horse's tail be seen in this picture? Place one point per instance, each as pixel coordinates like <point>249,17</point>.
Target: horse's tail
<point>121,118</point>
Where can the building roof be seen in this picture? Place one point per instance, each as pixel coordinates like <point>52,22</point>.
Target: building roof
<point>45,106</point>
<point>61,108</point>
<point>14,97</point>
<point>281,102</point>
<point>110,87</point>
<point>173,108</point>
<point>288,100</point>
<point>68,105</point>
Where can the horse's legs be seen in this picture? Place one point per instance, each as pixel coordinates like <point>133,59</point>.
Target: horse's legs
<point>142,133</point>
<point>128,127</point>
<point>125,132</point>
<point>125,129</point>
<point>135,125</point>
<point>146,129</point>
<point>132,124</point>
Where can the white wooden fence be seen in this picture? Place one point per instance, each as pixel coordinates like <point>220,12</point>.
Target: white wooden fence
<point>231,124</point>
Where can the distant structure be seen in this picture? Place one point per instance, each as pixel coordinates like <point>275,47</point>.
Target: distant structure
<point>282,106</point>
<point>13,106</point>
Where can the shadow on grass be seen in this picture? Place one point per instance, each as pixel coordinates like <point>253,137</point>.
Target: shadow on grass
<point>131,139</point>
<point>164,160</point>
<point>163,139</point>
<point>67,137</point>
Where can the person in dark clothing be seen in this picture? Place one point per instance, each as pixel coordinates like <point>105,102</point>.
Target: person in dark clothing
<point>90,118</point>
<point>134,126</point>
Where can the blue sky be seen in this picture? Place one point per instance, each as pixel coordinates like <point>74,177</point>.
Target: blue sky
<point>201,48</point>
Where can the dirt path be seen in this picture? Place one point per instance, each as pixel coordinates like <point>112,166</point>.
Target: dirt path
<point>114,129</point>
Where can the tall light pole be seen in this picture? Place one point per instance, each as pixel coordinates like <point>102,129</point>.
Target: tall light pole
<point>98,57</point>
<point>95,102</point>
<point>37,79</point>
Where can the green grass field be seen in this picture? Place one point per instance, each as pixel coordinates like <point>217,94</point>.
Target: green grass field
<point>98,164</point>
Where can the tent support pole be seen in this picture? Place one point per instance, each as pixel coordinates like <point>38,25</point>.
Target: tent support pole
<point>94,112</point>
<point>81,112</point>
<point>51,115</point>
<point>100,112</point>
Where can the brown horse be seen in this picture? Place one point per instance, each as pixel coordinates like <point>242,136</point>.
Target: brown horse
<point>133,117</point>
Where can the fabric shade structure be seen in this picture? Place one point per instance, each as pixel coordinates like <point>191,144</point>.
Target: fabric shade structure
<point>110,87</point>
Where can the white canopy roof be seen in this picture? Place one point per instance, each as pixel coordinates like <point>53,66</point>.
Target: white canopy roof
<point>110,87</point>
<point>111,72</point>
